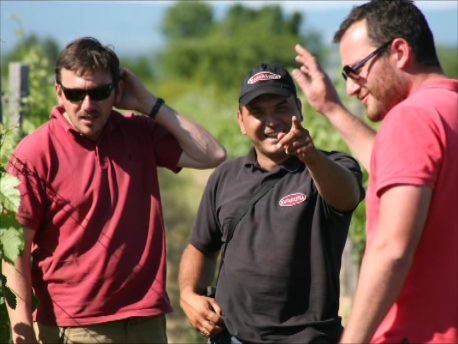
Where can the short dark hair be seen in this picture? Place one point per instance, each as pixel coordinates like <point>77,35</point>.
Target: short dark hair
<point>85,55</point>
<point>387,20</point>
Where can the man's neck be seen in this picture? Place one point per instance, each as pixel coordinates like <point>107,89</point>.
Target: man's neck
<point>268,163</point>
<point>418,80</point>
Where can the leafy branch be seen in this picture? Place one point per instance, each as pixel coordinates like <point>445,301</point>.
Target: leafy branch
<point>11,233</point>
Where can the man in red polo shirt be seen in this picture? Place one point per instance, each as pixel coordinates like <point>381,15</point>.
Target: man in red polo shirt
<point>407,288</point>
<point>91,207</point>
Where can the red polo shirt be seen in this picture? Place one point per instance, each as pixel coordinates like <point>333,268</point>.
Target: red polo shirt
<point>99,248</point>
<point>417,145</point>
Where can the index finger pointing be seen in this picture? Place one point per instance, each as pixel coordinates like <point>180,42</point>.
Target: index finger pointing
<point>296,123</point>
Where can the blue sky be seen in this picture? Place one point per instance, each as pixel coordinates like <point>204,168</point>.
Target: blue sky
<point>132,27</point>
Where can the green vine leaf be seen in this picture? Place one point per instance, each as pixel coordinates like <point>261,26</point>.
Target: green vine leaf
<point>7,143</point>
<point>10,197</point>
<point>8,294</point>
<point>8,219</point>
<point>11,243</point>
<point>10,297</point>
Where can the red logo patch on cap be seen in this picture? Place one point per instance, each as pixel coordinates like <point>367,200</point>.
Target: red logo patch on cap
<point>263,76</point>
<point>293,199</point>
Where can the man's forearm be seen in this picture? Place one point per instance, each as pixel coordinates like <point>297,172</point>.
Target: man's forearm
<point>196,271</point>
<point>358,136</point>
<point>336,184</point>
<point>381,279</point>
<point>19,281</point>
<point>196,142</point>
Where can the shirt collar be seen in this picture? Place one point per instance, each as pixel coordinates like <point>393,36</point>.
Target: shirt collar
<point>58,114</point>
<point>291,164</point>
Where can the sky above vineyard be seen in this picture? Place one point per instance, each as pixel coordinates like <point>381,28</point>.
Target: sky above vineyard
<point>133,27</point>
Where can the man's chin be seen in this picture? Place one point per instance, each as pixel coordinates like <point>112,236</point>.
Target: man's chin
<point>374,116</point>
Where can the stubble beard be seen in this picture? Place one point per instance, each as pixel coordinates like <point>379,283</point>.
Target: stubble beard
<point>387,91</point>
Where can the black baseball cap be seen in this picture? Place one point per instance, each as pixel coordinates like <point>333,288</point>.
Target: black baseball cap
<point>266,78</point>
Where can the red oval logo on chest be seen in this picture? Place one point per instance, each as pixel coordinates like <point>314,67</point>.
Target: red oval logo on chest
<point>293,199</point>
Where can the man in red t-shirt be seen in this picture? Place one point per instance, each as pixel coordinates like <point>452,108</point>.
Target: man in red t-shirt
<point>407,289</point>
<point>91,207</point>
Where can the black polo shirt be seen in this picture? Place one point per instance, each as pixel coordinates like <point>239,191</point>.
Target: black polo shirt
<point>280,279</point>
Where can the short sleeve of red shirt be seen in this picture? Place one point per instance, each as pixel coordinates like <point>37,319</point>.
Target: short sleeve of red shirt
<point>33,194</point>
<point>407,149</point>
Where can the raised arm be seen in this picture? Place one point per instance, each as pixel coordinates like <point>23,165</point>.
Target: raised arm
<point>20,282</point>
<point>200,149</point>
<point>322,96</point>
<point>196,272</point>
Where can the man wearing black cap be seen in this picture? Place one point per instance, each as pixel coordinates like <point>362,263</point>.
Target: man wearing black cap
<point>280,277</point>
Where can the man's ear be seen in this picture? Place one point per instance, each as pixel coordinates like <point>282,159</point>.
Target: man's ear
<point>299,109</point>
<point>59,94</point>
<point>119,91</point>
<point>403,53</point>
<point>240,120</point>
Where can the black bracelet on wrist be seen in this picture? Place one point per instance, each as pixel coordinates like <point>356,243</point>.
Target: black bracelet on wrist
<point>156,107</point>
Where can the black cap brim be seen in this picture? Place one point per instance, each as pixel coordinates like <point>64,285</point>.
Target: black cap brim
<point>282,91</point>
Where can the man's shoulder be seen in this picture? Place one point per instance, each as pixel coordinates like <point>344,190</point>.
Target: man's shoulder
<point>228,169</point>
<point>337,155</point>
<point>36,140</point>
<point>230,165</point>
<point>136,124</point>
<point>128,118</point>
<point>344,159</point>
<point>428,96</point>
<point>32,151</point>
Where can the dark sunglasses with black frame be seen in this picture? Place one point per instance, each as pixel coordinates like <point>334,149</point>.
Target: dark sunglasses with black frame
<point>77,95</point>
<point>352,71</point>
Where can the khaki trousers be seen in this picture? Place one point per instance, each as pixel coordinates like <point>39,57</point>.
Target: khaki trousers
<point>131,330</point>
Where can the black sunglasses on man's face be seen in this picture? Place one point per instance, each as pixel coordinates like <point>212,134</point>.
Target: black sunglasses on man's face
<point>352,72</point>
<point>77,95</point>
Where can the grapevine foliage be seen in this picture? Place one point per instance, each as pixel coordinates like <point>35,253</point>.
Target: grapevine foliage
<point>11,233</point>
